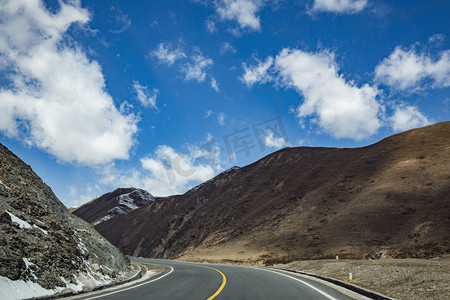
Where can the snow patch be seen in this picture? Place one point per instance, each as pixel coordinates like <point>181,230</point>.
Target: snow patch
<point>80,244</point>
<point>25,224</point>
<point>28,265</point>
<point>78,287</point>
<point>43,230</point>
<point>127,201</point>
<point>1,183</point>
<point>19,289</point>
<point>83,281</point>
<point>22,223</point>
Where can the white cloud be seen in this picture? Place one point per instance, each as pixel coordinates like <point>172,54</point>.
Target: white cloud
<point>196,69</point>
<point>408,117</point>
<point>339,107</point>
<point>167,55</point>
<point>406,69</point>
<point>167,172</point>
<point>119,19</point>
<point>257,73</point>
<point>57,98</point>
<point>193,68</point>
<point>211,26</point>
<point>221,119</point>
<point>214,84</point>
<point>275,142</point>
<point>73,191</point>
<point>339,6</point>
<point>145,97</point>
<point>78,198</point>
<point>208,113</point>
<point>227,47</point>
<point>242,11</point>
<point>436,39</point>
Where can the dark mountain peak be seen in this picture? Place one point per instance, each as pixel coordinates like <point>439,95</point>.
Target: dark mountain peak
<point>110,205</point>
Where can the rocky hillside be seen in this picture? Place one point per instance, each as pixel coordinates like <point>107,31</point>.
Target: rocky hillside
<point>110,205</point>
<point>390,199</point>
<point>43,248</point>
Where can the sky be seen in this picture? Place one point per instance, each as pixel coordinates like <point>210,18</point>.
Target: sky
<point>164,95</point>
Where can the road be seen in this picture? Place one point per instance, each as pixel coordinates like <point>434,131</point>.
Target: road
<point>184,280</point>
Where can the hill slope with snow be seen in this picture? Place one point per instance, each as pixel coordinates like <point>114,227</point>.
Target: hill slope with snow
<point>43,248</point>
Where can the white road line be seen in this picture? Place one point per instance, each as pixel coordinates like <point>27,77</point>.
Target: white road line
<point>305,283</point>
<point>132,287</point>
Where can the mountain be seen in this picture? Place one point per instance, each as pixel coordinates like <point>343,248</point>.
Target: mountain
<point>43,248</point>
<point>113,204</point>
<point>389,199</point>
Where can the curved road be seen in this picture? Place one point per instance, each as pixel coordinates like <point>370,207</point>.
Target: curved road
<point>184,280</point>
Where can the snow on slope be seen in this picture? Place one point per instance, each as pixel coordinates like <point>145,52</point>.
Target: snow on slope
<point>24,224</point>
<point>20,289</point>
<point>1,183</point>
<point>128,202</point>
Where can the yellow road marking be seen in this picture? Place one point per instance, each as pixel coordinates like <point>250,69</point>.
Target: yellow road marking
<point>224,278</point>
<point>224,282</point>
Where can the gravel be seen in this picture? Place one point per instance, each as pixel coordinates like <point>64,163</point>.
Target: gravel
<point>397,278</point>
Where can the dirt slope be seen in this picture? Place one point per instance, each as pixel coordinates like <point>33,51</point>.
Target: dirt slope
<point>390,199</point>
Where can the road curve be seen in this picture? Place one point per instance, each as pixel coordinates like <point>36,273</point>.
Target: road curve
<point>184,280</point>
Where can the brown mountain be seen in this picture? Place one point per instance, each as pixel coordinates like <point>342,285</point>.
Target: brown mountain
<point>390,199</point>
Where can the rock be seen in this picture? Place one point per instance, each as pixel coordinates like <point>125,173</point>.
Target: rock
<point>96,267</point>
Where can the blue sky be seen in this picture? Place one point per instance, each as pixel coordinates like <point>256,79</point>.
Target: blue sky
<point>164,95</point>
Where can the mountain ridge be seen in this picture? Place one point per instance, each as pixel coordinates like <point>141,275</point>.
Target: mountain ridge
<point>383,200</point>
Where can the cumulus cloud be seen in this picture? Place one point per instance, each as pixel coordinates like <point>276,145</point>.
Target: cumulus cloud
<point>257,73</point>
<point>195,70</point>
<point>407,69</point>
<point>167,55</point>
<point>339,6</point>
<point>244,12</point>
<point>56,99</point>
<point>339,107</point>
<point>146,98</point>
<point>275,142</point>
<point>407,117</point>
<point>167,172</point>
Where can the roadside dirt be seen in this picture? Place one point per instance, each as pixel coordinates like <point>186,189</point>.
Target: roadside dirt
<point>397,278</point>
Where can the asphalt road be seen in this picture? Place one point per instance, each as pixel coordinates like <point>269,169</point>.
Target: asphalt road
<point>208,281</point>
